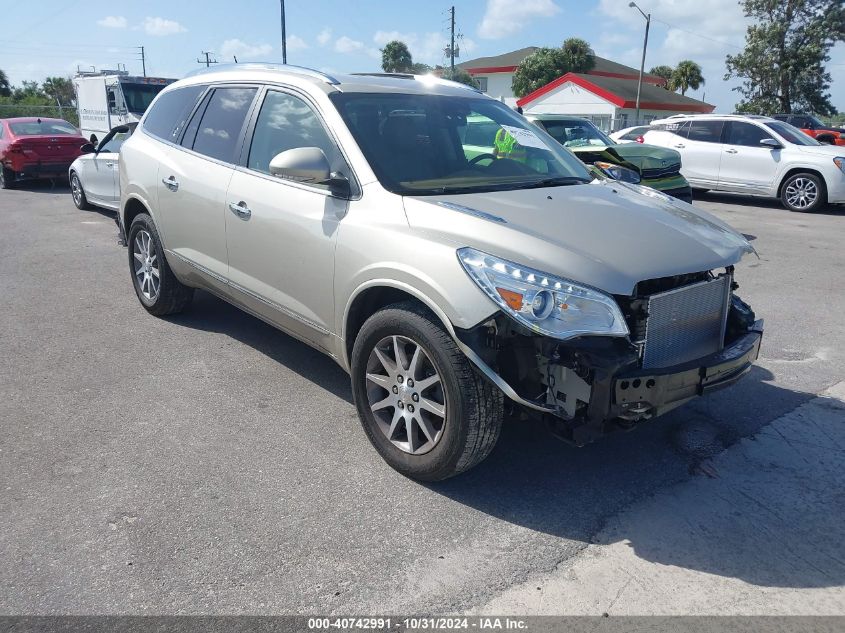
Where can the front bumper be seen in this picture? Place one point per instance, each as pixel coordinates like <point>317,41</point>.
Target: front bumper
<point>659,391</point>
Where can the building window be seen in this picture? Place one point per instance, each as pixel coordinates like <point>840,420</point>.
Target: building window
<point>482,83</point>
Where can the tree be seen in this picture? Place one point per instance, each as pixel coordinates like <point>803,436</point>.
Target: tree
<point>687,74</point>
<point>396,58</point>
<point>786,49</point>
<point>5,86</point>
<point>547,64</point>
<point>460,75</point>
<point>28,91</point>
<point>664,72</point>
<point>60,88</point>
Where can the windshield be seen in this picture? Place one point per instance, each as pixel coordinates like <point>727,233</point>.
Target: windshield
<point>791,134</point>
<point>576,133</point>
<point>138,97</point>
<point>433,144</point>
<point>42,127</point>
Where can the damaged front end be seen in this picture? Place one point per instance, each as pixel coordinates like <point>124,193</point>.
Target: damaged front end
<point>687,335</point>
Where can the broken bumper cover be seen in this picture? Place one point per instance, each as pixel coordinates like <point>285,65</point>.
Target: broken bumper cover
<point>649,393</point>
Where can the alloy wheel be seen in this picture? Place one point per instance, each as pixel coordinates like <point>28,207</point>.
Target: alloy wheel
<point>76,190</point>
<point>147,273</point>
<point>801,193</point>
<point>406,395</point>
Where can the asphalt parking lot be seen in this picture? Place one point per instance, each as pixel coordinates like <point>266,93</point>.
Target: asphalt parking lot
<point>207,463</point>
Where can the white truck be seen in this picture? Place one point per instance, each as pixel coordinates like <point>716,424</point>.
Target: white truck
<point>109,98</point>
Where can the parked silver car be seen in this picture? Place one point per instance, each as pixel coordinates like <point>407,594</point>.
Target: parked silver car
<point>346,212</point>
<point>93,176</point>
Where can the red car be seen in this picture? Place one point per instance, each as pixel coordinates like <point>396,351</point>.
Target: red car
<point>33,147</point>
<point>811,126</point>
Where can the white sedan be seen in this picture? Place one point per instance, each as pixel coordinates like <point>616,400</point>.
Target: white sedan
<point>94,176</point>
<point>630,134</point>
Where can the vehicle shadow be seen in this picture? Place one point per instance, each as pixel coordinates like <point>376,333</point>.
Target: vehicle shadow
<point>759,202</point>
<point>56,186</point>
<point>571,492</point>
<point>541,484</point>
<point>208,313</point>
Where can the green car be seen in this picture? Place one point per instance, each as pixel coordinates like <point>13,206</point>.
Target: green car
<point>658,167</point>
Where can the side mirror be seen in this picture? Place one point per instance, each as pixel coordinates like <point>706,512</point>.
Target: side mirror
<point>770,143</point>
<point>88,148</point>
<point>302,164</point>
<point>617,172</point>
<point>310,165</point>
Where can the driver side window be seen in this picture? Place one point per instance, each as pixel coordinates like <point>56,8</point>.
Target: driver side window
<point>287,122</point>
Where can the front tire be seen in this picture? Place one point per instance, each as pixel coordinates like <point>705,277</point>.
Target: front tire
<point>155,284</point>
<point>423,406</point>
<point>804,192</point>
<point>78,193</point>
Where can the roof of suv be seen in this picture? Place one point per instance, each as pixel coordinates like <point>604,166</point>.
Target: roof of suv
<point>363,82</point>
<point>700,117</point>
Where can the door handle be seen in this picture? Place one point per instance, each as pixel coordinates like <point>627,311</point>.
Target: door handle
<point>240,209</point>
<point>171,183</point>
<point>680,146</point>
<point>730,151</point>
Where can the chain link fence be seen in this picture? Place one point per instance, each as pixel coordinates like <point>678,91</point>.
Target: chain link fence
<point>68,113</point>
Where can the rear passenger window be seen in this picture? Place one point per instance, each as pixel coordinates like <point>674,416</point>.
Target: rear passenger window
<point>287,122</point>
<point>706,131</point>
<point>169,113</point>
<point>220,128</point>
<point>681,128</point>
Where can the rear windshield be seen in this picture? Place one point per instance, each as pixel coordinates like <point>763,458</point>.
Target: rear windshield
<point>138,97</point>
<point>37,128</point>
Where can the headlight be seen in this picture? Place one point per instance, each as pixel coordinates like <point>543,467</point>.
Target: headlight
<point>543,303</point>
<point>617,172</point>
<point>839,161</point>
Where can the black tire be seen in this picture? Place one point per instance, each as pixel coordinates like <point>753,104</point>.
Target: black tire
<point>172,296</point>
<point>81,201</point>
<point>474,411</point>
<point>821,193</point>
<point>7,178</point>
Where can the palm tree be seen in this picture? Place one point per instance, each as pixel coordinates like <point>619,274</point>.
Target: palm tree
<point>5,86</point>
<point>396,58</point>
<point>664,72</point>
<point>687,74</point>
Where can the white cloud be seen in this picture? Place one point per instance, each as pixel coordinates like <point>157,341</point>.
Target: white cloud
<point>242,50</point>
<point>161,26</point>
<point>383,37</point>
<point>324,37</point>
<point>506,17</point>
<point>113,22</point>
<point>296,43</point>
<point>346,44</point>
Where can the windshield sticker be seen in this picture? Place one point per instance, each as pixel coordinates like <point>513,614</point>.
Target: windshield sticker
<point>526,138</point>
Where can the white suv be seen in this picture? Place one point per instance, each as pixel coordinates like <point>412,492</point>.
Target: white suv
<point>754,155</point>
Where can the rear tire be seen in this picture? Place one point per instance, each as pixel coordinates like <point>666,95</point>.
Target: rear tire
<point>7,178</point>
<point>155,284</point>
<point>803,192</point>
<point>472,408</point>
<point>78,193</point>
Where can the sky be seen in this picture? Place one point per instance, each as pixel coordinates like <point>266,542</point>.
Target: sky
<point>53,37</point>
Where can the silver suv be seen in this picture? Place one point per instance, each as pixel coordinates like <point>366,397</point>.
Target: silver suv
<point>453,286</point>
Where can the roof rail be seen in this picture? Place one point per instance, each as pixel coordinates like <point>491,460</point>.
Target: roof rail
<point>296,70</point>
<point>427,78</point>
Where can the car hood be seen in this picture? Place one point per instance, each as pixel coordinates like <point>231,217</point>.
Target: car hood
<point>819,150</point>
<point>606,234</point>
<point>637,155</point>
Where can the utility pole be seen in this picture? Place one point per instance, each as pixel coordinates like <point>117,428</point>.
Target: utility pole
<point>284,35</point>
<point>452,46</point>
<point>143,62</point>
<point>207,61</point>
<point>642,62</point>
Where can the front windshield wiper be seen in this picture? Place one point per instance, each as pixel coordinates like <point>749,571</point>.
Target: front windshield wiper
<point>552,182</point>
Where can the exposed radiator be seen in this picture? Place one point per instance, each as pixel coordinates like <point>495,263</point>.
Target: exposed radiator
<point>686,323</point>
